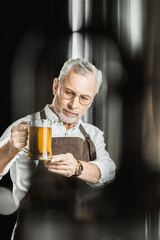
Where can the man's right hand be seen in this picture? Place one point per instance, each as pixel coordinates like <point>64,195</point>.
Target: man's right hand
<point>19,136</point>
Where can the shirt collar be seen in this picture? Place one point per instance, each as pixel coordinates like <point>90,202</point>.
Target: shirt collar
<point>50,114</point>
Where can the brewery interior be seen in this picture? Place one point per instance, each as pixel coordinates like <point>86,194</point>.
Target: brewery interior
<point>122,38</point>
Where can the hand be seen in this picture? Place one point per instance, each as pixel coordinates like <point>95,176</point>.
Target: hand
<point>19,136</point>
<point>64,164</point>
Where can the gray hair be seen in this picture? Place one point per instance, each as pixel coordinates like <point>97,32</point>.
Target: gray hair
<point>80,66</point>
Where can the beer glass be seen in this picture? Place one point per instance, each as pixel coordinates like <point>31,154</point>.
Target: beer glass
<point>40,140</point>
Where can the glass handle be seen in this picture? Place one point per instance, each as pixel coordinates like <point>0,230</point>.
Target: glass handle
<point>25,150</point>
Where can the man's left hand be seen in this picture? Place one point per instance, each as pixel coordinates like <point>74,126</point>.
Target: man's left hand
<point>64,164</point>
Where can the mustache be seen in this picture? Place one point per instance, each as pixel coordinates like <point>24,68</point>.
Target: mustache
<point>70,111</point>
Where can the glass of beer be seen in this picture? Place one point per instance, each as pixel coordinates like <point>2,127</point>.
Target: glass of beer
<point>40,140</point>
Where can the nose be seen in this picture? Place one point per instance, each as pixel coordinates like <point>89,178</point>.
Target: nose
<point>74,102</point>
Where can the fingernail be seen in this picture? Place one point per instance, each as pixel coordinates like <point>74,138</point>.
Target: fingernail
<point>52,160</point>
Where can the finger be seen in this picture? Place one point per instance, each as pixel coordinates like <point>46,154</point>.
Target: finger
<point>54,164</point>
<point>61,172</point>
<point>58,162</point>
<point>18,140</point>
<point>20,127</point>
<point>19,137</point>
<point>25,122</point>
<point>19,145</point>
<point>59,157</point>
<point>57,167</point>
<point>20,133</point>
<point>22,139</point>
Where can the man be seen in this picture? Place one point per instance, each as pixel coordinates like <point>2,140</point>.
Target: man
<point>82,155</point>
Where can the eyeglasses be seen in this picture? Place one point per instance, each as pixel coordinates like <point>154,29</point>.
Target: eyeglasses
<point>69,94</point>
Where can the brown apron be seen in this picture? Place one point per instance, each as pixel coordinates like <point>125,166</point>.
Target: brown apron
<point>52,195</point>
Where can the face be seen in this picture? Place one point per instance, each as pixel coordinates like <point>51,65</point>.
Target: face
<point>81,86</point>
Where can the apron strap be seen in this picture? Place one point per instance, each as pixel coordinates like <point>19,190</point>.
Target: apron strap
<point>92,150</point>
<point>42,114</point>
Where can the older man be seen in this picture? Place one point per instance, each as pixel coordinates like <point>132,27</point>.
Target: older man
<point>79,148</point>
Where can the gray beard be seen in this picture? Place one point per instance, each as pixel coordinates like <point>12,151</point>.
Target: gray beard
<point>66,120</point>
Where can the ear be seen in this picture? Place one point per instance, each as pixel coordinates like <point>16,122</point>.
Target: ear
<point>55,85</point>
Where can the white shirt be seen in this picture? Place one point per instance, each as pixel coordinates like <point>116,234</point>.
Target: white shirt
<point>21,169</point>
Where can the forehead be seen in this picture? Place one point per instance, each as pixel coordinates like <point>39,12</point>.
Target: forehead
<point>83,84</point>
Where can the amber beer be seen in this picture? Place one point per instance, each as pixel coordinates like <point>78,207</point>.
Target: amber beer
<point>40,140</point>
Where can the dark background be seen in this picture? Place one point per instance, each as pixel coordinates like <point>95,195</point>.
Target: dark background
<point>130,105</point>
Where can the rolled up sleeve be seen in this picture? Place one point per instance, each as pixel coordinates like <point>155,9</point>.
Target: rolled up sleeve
<point>105,164</point>
<point>4,139</point>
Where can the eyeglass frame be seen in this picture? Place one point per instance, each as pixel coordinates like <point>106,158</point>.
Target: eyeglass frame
<point>74,95</point>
